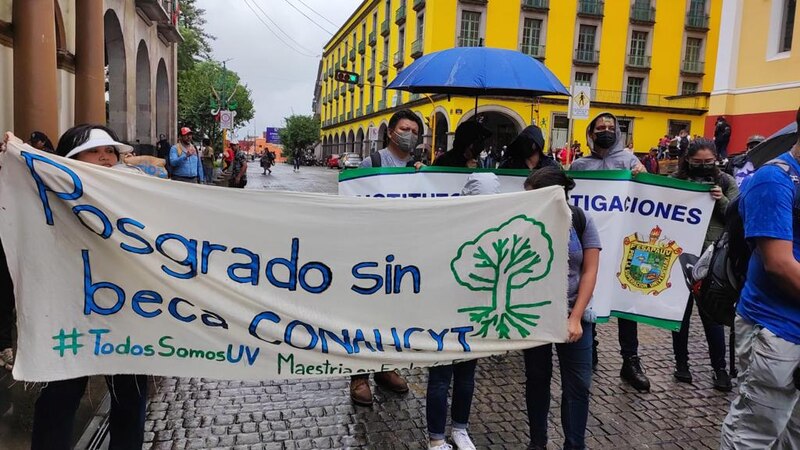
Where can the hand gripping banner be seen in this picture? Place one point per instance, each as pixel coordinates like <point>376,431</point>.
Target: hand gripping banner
<point>120,273</point>
<point>645,222</point>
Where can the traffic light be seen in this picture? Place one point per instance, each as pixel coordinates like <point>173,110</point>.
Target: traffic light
<point>347,77</point>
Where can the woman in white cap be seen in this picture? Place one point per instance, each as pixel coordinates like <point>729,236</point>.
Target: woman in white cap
<point>54,414</point>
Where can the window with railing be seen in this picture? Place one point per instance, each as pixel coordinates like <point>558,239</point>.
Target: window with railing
<point>694,48</point>
<point>697,16</point>
<point>633,90</point>
<point>470,33</point>
<point>787,25</point>
<point>586,43</point>
<point>689,87</point>
<point>583,78</point>
<point>531,37</point>
<point>638,54</point>
<point>643,11</point>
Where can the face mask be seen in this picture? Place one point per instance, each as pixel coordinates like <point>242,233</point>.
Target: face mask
<point>702,170</point>
<point>405,140</point>
<point>605,139</point>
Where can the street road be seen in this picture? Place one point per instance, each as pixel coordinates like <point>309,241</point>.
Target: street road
<point>204,413</point>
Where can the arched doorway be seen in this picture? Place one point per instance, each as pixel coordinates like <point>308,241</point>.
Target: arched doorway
<point>143,116</point>
<point>162,100</point>
<point>335,146</point>
<point>342,148</point>
<point>442,128</point>
<point>504,123</point>
<point>116,88</point>
<point>360,149</point>
<point>383,139</point>
<point>351,142</point>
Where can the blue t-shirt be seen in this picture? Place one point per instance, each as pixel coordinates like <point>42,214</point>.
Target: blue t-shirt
<point>766,206</point>
<point>591,239</point>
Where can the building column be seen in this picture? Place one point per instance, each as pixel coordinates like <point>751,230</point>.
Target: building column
<point>35,78</point>
<point>90,102</point>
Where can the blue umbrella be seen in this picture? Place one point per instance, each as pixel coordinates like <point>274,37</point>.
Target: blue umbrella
<point>478,71</point>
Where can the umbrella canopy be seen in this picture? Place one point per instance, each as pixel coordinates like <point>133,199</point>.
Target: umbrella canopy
<point>777,144</point>
<point>478,71</point>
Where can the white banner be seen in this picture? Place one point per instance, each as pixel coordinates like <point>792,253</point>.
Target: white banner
<point>123,273</point>
<point>645,224</point>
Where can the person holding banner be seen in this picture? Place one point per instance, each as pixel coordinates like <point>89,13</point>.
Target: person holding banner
<point>574,356</point>
<point>526,151</point>
<point>403,133</point>
<point>699,165</point>
<point>608,153</point>
<point>54,413</point>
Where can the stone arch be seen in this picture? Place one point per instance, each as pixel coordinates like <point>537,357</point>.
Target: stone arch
<point>162,100</point>
<point>61,33</point>
<point>117,86</point>
<point>335,145</point>
<point>143,95</point>
<point>360,147</point>
<point>342,148</point>
<point>383,138</point>
<point>504,123</point>
<point>351,142</point>
<point>442,129</point>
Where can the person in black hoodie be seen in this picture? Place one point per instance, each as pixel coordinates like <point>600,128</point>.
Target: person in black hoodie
<point>527,151</point>
<point>467,146</point>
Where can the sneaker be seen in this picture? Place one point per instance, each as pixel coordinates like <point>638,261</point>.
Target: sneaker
<point>462,440</point>
<point>633,374</point>
<point>443,446</point>
<point>682,374</point>
<point>360,393</point>
<point>7,359</point>
<point>722,382</point>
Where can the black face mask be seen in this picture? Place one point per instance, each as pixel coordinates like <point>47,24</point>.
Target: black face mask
<point>702,170</point>
<point>605,139</point>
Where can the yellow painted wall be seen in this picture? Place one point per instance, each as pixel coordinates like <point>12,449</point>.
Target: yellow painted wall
<point>503,21</point>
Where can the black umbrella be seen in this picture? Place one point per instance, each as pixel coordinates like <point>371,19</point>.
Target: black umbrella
<point>772,147</point>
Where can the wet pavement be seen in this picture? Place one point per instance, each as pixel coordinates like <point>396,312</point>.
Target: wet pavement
<point>205,413</point>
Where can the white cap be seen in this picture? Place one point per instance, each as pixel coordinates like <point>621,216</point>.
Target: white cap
<point>99,138</point>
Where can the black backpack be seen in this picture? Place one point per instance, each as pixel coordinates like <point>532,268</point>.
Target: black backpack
<point>578,221</point>
<point>375,159</point>
<point>718,293</point>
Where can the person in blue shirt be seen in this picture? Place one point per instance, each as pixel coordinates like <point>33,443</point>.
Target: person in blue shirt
<point>766,413</point>
<point>184,160</point>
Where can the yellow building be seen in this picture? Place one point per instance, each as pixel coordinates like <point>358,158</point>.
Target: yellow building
<point>650,62</point>
<point>757,85</point>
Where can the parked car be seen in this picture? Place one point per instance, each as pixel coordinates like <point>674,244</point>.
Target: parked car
<point>332,162</point>
<point>350,161</point>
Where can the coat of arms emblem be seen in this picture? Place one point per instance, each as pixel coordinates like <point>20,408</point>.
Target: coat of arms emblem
<point>646,265</point>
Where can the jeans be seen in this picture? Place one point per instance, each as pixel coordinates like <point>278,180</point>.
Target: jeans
<point>766,413</point>
<point>463,377</point>
<point>7,316</point>
<point>296,164</point>
<point>575,361</point>
<point>54,415</point>
<point>208,171</point>
<point>628,335</point>
<point>715,336</point>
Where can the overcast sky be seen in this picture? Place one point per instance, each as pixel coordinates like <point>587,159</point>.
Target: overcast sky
<point>281,80</point>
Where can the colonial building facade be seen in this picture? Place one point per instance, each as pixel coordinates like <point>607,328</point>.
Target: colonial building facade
<point>65,62</point>
<point>650,62</point>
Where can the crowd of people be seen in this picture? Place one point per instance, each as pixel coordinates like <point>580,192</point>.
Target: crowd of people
<point>766,334</point>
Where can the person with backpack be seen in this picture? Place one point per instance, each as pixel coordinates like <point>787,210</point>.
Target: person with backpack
<point>575,355</point>
<point>699,165</point>
<point>607,153</point>
<point>403,136</point>
<point>766,413</point>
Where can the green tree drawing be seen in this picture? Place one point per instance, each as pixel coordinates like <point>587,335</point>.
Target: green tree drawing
<point>502,260</point>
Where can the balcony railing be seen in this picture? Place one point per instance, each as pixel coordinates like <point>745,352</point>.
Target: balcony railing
<point>358,112</point>
<point>470,42</point>
<point>693,67</point>
<point>587,57</point>
<point>158,11</point>
<point>399,60</point>
<point>371,75</point>
<point>639,61</point>
<point>400,14</point>
<point>344,61</point>
<point>419,4</point>
<point>385,28</point>
<point>362,47</point>
<point>643,14</point>
<point>352,54</point>
<point>351,87</point>
<point>698,102</point>
<point>381,105</point>
<point>384,69</point>
<point>592,8</point>
<point>696,21</point>
<point>537,51</point>
<point>341,118</point>
<point>370,109</point>
<point>373,39</point>
<point>349,115</point>
<point>416,48</point>
<point>536,4</point>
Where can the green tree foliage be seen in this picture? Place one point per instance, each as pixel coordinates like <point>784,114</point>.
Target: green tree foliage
<point>196,46</point>
<point>502,260</point>
<point>299,134</point>
<point>195,97</point>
